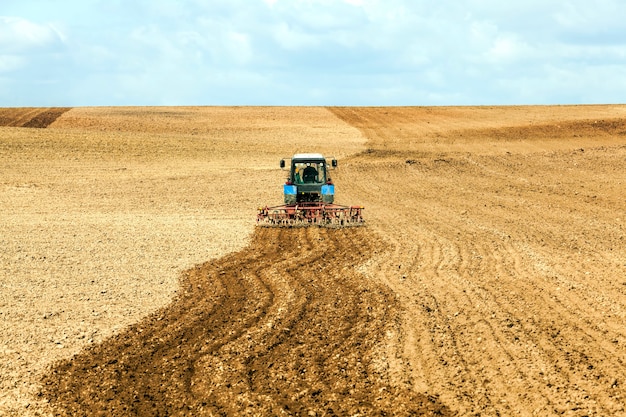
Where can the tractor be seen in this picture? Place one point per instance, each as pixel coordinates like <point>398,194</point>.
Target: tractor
<point>309,195</point>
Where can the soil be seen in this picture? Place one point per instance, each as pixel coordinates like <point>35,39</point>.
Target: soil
<point>30,116</point>
<point>490,278</point>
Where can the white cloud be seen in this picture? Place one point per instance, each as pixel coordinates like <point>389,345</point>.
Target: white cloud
<point>292,39</point>
<point>22,41</point>
<point>313,51</point>
<point>596,16</point>
<point>18,34</point>
<point>10,63</point>
<point>508,50</point>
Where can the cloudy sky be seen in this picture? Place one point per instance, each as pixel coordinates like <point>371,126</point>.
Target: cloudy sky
<point>311,52</point>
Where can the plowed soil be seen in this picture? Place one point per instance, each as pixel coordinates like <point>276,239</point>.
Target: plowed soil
<point>285,326</point>
<point>30,117</point>
<point>490,278</point>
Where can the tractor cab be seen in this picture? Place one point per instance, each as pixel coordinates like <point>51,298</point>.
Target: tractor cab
<point>309,172</point>
<point>308,179</point>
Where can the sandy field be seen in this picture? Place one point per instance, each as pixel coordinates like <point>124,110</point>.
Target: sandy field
<point>490,278</point>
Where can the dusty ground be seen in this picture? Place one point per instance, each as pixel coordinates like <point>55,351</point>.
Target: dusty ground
<point>490,280</point>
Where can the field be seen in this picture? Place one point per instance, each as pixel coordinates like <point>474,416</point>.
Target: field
<point>490,278</point>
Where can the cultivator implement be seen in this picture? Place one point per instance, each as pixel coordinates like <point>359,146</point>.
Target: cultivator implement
<point>310,214</point>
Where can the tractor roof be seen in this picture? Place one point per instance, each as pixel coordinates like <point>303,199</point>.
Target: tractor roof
<point>308,156</point>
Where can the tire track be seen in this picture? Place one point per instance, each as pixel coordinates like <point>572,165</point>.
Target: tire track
<point>288,325</point>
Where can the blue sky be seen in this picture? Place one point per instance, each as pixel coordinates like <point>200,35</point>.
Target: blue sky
<point>311,52</point>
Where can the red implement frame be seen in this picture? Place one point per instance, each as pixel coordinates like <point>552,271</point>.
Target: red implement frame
<point>310,214</point>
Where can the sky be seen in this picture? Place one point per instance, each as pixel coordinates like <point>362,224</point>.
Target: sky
<point>311,52</point>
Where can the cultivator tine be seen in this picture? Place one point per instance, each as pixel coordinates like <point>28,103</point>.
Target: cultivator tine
<point>311,214</point>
